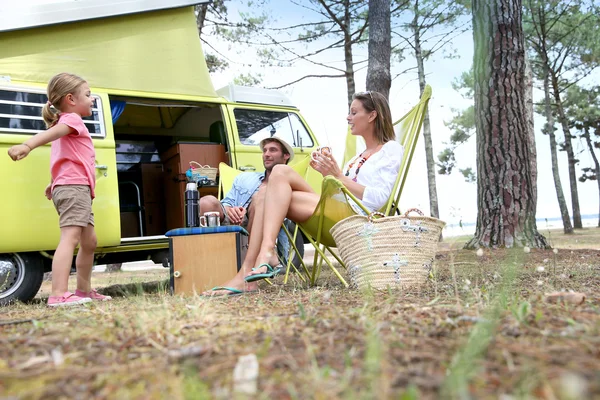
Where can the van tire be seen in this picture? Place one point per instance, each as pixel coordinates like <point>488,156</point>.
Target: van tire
<point>29,273</point>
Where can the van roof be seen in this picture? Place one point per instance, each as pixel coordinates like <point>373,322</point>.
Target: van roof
<point>33,13</point>
<point>148,51</point>
<point>246,94</point>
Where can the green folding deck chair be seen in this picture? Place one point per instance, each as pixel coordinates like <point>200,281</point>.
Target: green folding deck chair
<point>333,205</point>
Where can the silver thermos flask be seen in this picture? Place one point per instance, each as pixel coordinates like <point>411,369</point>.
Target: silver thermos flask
<point>192,205</point>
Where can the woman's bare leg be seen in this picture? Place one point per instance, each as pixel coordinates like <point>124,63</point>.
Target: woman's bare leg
<point>305,198</point>
<point>238,281</point>
<point>288,195</point>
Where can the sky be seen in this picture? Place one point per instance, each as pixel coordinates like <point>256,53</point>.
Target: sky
<point>323,103</point>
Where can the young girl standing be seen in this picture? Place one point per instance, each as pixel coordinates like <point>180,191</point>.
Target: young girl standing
<point>72,170</point>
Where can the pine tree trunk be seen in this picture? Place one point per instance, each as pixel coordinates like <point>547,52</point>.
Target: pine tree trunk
<point>590,146</point>
<point>379,78</point>
<point>530,124</point>
<point>549,129</point>
<point>200,17</point>
<point>505,187</point>
<point>570,154</point>
<point>433,198</point>
<point>350,83</point>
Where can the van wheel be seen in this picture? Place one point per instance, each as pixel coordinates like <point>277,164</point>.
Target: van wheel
<point>21,276</point>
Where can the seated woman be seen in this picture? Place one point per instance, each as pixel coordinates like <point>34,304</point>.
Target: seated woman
<point>370,176</point>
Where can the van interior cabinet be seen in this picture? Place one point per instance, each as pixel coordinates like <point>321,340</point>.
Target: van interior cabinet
<point>130,225</point>
<point>176,161</point>
<point>153,195</point>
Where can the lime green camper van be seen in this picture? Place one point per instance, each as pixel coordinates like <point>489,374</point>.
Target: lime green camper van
<point>155,111</point>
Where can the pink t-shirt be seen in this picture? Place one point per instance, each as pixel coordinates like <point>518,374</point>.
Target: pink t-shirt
<point>72,158</point>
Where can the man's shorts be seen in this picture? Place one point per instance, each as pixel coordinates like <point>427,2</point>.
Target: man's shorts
<point>227,221</point>
<point>74,205</point>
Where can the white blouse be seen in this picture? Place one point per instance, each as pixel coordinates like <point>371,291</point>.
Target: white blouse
<point>378,174</point>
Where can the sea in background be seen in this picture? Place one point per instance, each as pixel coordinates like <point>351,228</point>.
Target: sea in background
<point>543,224</point>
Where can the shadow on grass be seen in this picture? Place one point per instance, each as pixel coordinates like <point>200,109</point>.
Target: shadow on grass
<point>136,288</point>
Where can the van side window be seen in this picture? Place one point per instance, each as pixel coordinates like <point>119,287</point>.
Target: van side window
<point>256,125</point>
<point>21,113</point>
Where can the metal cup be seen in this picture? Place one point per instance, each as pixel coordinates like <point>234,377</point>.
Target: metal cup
<point>210,219</point>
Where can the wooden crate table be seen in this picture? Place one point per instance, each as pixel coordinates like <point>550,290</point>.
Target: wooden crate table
<point>202,258</point>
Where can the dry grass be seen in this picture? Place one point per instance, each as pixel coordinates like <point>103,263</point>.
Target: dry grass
<point>483,333</point>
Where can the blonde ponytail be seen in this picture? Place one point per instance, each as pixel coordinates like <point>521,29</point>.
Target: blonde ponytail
<point>59,86</point>
<point>50,115</point>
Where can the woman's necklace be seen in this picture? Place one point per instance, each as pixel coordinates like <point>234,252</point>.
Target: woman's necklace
<point>362,158</point>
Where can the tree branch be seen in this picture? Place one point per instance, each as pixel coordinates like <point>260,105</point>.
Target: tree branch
<point>406,40</point>
<point>403,72</point>
<point>306,77</point>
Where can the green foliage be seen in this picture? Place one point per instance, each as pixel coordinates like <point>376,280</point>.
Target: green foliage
<point>214,10</point>
<point>563,36</point>
<point>214,21</point>
<point>247,79</point>
<point>462,126</point>
<point>447,161</point>
<point>465,84</point>
<point>433,22</point>
<point>582,107</point>
<point>521,311</point>
<point>215,64</point>
<point>193,386</point>
<point>411,393</point>
<point>373,358</point>
<point>311,34</point>
<point>301,311</point>
<point>254,33</point>
<point>397,55</point>
<point>564,48</point>
<point>469,175</point>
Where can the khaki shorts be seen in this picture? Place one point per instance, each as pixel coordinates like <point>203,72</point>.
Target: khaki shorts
<point>74,205</point>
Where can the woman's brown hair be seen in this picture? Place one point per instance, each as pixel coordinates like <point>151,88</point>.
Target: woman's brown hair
<point>59,86</point>
<point>375,101</point>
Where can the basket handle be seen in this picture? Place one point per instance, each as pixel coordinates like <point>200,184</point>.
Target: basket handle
<point>375,214</point>
<point>413,210</point>
<point>199,165</point>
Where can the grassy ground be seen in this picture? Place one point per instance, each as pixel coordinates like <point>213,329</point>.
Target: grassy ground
<point>479,329</point>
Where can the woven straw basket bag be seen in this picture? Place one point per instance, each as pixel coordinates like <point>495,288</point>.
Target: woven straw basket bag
<point>396,251</point>
<point>203,170</point>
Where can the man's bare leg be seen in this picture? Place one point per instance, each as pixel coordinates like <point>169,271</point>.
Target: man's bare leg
<point>211,204</point>
<point>252,208</point>
<point>288,195</point>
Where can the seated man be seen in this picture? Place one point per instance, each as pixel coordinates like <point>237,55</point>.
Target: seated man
<point>237,208</point>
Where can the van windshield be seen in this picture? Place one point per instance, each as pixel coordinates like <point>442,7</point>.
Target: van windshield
<point>256,125</point>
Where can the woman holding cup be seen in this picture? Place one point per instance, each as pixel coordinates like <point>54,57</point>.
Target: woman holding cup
<point>370,176</point>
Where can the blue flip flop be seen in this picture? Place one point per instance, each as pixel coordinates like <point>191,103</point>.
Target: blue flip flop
<point>233,291</point>
<point>271,273</point>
